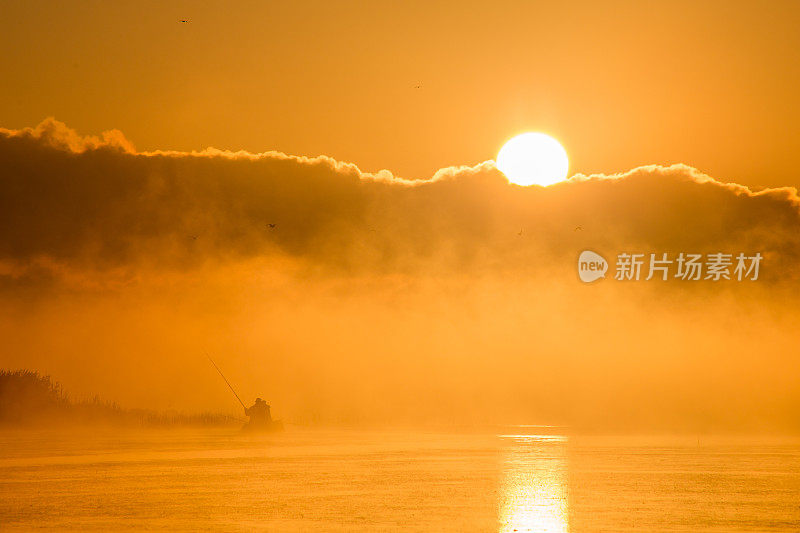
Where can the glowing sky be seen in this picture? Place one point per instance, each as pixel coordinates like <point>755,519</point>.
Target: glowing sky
<point>621,84</point>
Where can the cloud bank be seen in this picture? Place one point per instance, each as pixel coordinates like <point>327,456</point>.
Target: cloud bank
<point>96,202</point>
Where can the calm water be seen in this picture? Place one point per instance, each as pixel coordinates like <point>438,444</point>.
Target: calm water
<point>317,480</point>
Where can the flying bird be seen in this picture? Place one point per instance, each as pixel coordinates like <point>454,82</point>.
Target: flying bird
<point>578,228</point>
<point>271,226</point>
<point>193,237</point>
<point>184,21</point>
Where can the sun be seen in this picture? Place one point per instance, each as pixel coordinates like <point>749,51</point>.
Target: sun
<point>533,159</point>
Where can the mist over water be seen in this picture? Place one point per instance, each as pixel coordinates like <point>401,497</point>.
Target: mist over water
<point>424,352</point>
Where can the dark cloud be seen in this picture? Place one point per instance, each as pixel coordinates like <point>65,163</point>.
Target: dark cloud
<point>96,202</point>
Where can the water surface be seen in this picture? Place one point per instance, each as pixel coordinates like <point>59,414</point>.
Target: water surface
<point>356,480</point>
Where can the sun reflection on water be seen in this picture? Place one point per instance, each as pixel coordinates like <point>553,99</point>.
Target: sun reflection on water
<point>534,489</point>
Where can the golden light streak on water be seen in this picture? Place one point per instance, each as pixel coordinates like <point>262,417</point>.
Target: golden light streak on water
<point>534,487</point>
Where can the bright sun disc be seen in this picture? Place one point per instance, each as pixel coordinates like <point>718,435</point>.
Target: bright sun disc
<point>533,159</point>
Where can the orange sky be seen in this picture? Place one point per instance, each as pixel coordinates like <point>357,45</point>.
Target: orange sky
<point>620,84</point>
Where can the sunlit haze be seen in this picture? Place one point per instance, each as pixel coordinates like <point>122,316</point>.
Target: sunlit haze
<point>375,266</point>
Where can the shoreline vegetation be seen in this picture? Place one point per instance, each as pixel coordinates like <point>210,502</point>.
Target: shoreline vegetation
<point>29,399</point>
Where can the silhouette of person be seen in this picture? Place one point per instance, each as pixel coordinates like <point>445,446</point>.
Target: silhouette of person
<point>259,413</point>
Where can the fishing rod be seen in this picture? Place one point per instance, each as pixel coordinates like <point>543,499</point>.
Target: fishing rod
<point>226,380</point>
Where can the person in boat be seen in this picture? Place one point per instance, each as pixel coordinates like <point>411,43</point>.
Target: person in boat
<point>259,414</point>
